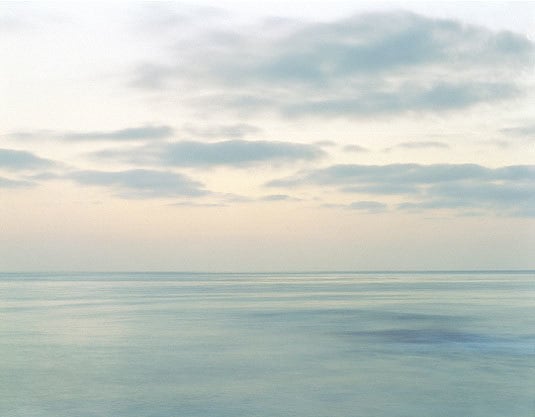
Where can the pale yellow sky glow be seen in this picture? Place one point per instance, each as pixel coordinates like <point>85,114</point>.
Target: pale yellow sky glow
<point>217,136</point>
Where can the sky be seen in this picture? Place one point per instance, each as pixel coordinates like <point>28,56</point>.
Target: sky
<point>267,136</point>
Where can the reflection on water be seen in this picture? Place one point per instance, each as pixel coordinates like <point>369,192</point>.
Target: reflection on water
<point>267,345</point>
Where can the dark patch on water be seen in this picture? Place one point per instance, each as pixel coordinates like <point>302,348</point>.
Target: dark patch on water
<point>442,339</point>
<point>422,336</point>
<point>358,314</point>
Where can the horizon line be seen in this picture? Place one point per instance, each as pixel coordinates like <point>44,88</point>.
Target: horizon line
<point>319,271</point>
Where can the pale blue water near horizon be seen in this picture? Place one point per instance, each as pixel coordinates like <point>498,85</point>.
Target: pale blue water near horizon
<point>414,344</point>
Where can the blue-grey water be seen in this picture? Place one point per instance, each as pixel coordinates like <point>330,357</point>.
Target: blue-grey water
<point>267,345</point>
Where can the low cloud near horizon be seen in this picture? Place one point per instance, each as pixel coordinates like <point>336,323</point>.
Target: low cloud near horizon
<point>506,190</point>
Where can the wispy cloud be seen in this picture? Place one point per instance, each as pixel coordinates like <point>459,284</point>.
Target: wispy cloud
<point>10,22</point>
<point>507,190</point>
<point>418,145</point>
<point>235,131</point>
<point>169,17</point>
<point>278,197</point>
<point>413,97</point>
<point>503,198</point>
<point>17,18</point>
<point>526,131</point>
<point>9,183</point>
<point>368,206</point>
<point>503,144</point>
<point>140,183</point>
<point>16,160</point>
<point>198,205</point>
<point>325,143</point>
<point>374,64</point>
<point>233,153</point>
<point>355,148</point>
<point>139,133</point>
<point>350,174</point>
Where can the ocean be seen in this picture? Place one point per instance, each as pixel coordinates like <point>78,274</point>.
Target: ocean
<point>346,344</point>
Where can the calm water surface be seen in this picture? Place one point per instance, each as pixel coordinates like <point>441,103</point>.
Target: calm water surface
<point>267,345</point>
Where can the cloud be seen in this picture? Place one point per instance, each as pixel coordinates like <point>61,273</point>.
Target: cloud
<point>234,153</point>
<point>528,130</point>
<point>19,18</point>
<point>165,17</point>
<point>325,143</point>
<point>355,148</point>
<point>419,145</point>
<point>15,160</point>
<point>350,174</point>
<point>497,143</point>
<point>382,189</point>
<point>9,22</point>
<point>369,206</point>
<point>140,183</point>
<point>373,64</point>
<point>9,183</point>
<point>278,197</point>
<point>413,97</point>
<point>197,205</point>
<point>140,133</point>
<point>506,190</point>
<point>511,198</point>
<point>236,131</point>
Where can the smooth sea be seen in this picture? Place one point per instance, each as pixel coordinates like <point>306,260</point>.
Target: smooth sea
<point>381,344</point>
